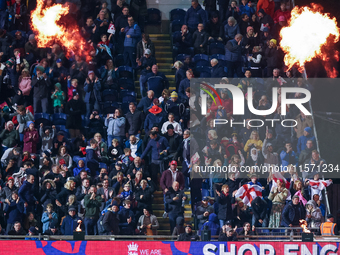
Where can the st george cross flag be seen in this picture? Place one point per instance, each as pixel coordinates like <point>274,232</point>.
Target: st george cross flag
<point>318,186</point>
<point>248,193</point>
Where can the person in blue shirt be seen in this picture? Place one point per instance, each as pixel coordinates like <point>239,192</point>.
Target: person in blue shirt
<point>132,36</point>
<point>302,141</point>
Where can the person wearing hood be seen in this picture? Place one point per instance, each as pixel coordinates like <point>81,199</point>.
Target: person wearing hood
<point>179,229</point>
<point>259,209</point>
<point>195,15</point>
<point>212,225</point>
<point>302,141</point>
<point>270,157</point>
<point>203,211</point>
<point>80,167</point>
<point>111,220</point>
<point>314,216</point>
<point>70,222</point>
<point>188,235</point>
<point>135,144</point>
<point>58,98</point>
<point>31,138</point>
<point>9,136</point>
<point>74,108</point>
<point>48,192</point>
<point>255,158</point>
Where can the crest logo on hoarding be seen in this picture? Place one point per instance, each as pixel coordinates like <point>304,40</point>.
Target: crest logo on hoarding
<point>133,249</point>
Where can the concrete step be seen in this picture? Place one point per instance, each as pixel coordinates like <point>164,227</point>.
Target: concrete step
<point>164,59</point>
<point>165,65</point>
<point>163,48</point>
<point>154,37</point>
<point>158,43</point>
<point>163,54</point>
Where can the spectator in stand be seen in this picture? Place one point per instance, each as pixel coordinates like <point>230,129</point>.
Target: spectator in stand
<point>266,20</point>
<point>143,45</point>
<point>96,124</point>
<point>225,200</point>
<point>111,220</point>
<point>70,222</point>
<point>48,193</point>
<point>268,6</point>
<point>9,136</point>
<point>148,223</point>
<point>180,73</point>
<point>53,230</point>
<point>171,121</point>
<point>41,84</point>
<point>195,15</point>
<point>231,29</point>
<point>134,121</point>
<point>234,56</point>
<point>14,210</point>
<point>115,124</point>
<point>288,156</point>
<point>175,198</point>
<point>182,41</point>
<point>227,234</point>
<point>179,229</point>
<point>26,193</point>
<point>251,39</point>
<point>127,219</point>
<point>200,39</point>
<point>313,214</point>
<point>303,122</point>
<point>63,155</point>
<point>49,217</point>
<point>156,117</point>
<point>217,70</point>
<point>203,212</point>
<point>146,102</point>
<point>92,88</point>
<point>74,108</point>
<point>246,231</point>
<point>92,158</point>
<point>244,24</point>
<point>246,8</point>
<point>322,207</point>
<point>278,196</point>
<point>31,138</point>
<point>25,86</point>
<point>144,195</point>
<point>163,83</point>
<point>215,29</point>
<point>184,84</point>
<point>117,7</point>
<point>281,12</point>
<point>233,11</point>
<point>145,64</point>
<point>175,107</point>
<point>17,230</point>
<point>329,228</point>
<point>19,13</point>
<point>135,144</point>
<point>302,141</point>
<point>188,235</point>
<point>292,213</point>
<point>92,203</point>
<point>270,157</point>
<point>260,216</point>
<point>132,36</point>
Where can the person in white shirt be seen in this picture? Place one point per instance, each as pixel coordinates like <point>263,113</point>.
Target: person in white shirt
<point>177,126</point>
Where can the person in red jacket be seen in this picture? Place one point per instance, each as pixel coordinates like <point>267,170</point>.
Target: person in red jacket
<point>31,138</point>
<point>267,5</point>
<point>227,104</point>
<point>281,12</point>
<point>170,176</point>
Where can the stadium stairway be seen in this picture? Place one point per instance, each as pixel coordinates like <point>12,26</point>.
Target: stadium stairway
<point>164,61</point>
<point>163,56</point>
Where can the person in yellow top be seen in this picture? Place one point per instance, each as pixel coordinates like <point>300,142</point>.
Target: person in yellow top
<point>329,228</point>
<point>253,141</point>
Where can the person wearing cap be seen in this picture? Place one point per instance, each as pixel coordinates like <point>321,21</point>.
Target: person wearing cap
<point>145,64</point>
<point>302,141</point>
<point>175,107</point>
<point>227,234</point>
<point>156,116</point>
<point>92,87</point>
<point>74,108</point>
<point>329,228</point>
<point>175,125</point>
<point>303,121</point>
<point>111,220</point>
<point>292,213</point>
<point>282,11</point>
<point>203,211</point>
<point>188,235</point>
<point>143,45</point>
<point>70,222</point>
<point>175,199</point>
<point>60,73</point>
<point>9,136</point>
<point>41,85</point>
<point>53,230</point>
<point>270,157</point>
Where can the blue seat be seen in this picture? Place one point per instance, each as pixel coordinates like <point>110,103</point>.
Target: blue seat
<point>177,14</point>
<point>225,69</point>
<point>59,119</point>
<point>176,25</point>
<point>119,60</point>
<point>125,107</point>
<point>63,129</point>
<point>125,72</point>
<point>109,107</point>
<point>205,72</point>
<point>201,60</point>
<point>102,165</point>
<point>154,17</point>
<point>109,95</point>
<point>128,96</point>
<point>126,83</point>
<point>155,83</point>
<point>216,48</point>
<point>181,57</point>
<point>42,118</point>
<point>220,58</point>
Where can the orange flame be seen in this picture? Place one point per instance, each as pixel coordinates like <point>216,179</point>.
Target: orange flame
<point>303,225</point>
<point>308,33</point>
<point>49,30</point>
<point>78,229</point>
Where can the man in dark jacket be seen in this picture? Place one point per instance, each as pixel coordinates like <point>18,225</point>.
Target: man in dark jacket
<point>260,216</point>
<point>92,203</point>
<point>227,234</point>
<point>174,140</point>
<point>121,22</point>
<point>184,84</point>
<point>182,41</point>
<point>134,121</point>
<point>92,88</point>
<point>41,85</point>
<point>17,230</point>
<point>234,56</point>
<point>132,36</point>
<point>292,213</point>
<point>188,235</point>
<point>216,70</point>
<point>200,38</point>
<point>26,193</point>
<point>127,219</point>
<point>215,29</point>
<point>145,64</point>
<point>145,102</point>
<point>70,222</point>
<point>175,198</point>
<point>14,210</point>
<point>144,44</point>
<point>157,88</point>
<point>74,108</point>
<point>203,211</point>
<point>111,220</point>
<point>195,15</point>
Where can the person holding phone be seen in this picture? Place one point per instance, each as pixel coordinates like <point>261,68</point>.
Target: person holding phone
<point>115,123</point>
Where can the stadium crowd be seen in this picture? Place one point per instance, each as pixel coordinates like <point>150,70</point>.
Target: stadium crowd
<point>77,146</point>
